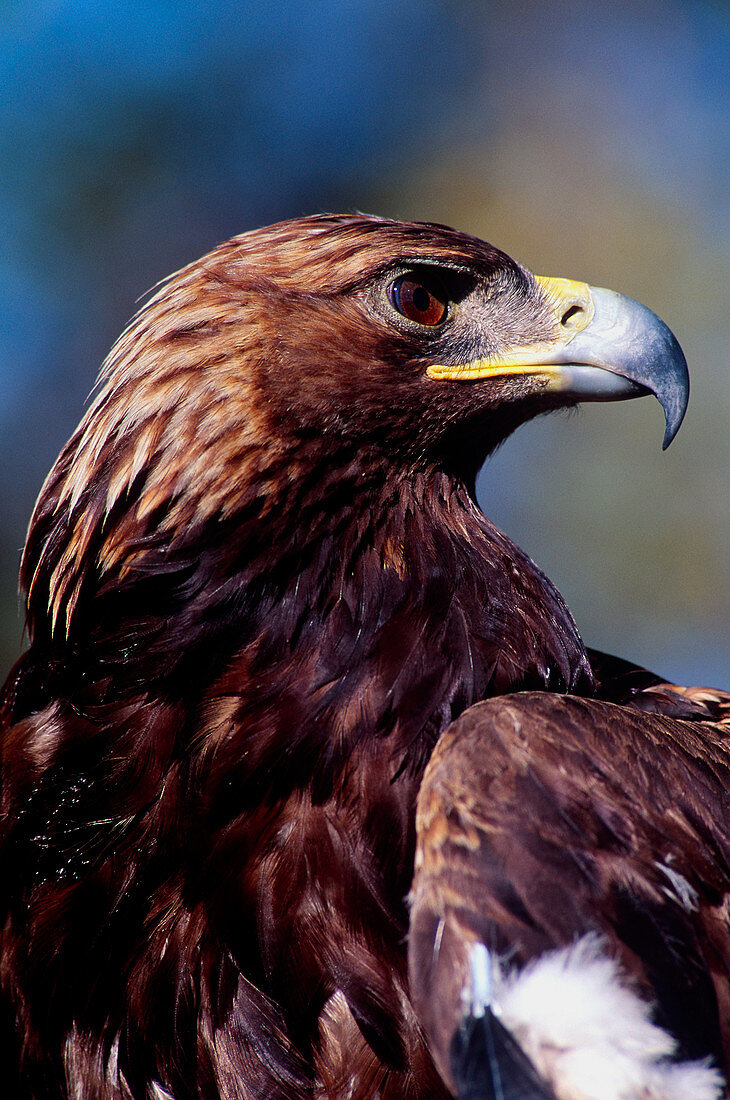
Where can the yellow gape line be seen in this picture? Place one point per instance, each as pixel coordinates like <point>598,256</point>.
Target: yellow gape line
<point>571,305</point>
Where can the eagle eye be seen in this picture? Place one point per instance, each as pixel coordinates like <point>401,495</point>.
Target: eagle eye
<point>426,305</point>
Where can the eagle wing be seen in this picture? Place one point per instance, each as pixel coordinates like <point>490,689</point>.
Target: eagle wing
<point>571,893</point>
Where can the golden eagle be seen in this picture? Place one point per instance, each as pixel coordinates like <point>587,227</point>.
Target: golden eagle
<point>260,599</point>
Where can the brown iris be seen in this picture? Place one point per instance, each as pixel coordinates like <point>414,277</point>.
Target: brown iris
<point>417,302</point>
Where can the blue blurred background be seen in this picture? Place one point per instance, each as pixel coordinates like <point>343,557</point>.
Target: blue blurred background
<point>588,140</point>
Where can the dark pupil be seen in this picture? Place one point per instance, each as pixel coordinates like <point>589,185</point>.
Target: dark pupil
<point>421,299</point>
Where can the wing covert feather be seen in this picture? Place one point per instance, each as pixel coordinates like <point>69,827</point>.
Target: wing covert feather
<point>543,819</point>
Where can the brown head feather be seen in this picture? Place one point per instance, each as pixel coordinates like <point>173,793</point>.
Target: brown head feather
<point>213,392</point>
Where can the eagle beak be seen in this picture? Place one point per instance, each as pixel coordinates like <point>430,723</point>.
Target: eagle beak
<point>606,348</point>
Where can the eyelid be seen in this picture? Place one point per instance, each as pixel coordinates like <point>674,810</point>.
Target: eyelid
<point>452,283</point>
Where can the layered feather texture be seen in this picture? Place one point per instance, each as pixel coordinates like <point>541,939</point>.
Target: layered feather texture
<point>545,822</point>
<point>258,592</point>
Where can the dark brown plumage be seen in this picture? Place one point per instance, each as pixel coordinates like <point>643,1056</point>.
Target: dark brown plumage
<point>258,591</point>
<point>545,818</point>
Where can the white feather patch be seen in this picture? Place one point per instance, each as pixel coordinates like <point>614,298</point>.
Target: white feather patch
<point>681,890</point>
<point>587,1032</point>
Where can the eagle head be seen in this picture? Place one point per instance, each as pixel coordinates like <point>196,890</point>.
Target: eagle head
<point>351,346</point>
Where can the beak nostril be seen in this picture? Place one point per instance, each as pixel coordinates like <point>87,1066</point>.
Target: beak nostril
<point>572,316</point>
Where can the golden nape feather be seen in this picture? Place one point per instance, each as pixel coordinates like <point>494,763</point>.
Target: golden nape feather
<point>260,598</point>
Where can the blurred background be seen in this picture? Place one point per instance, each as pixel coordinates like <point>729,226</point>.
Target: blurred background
<point>588,140</point>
